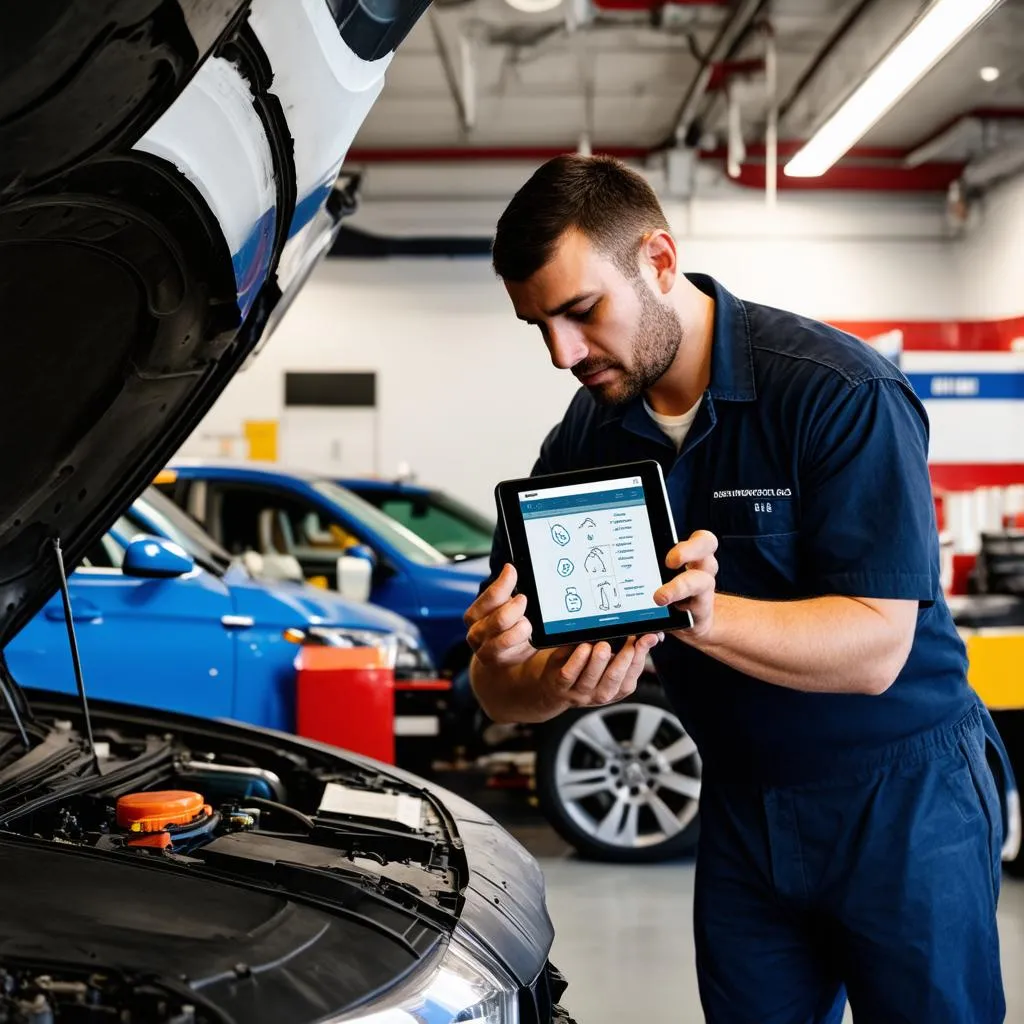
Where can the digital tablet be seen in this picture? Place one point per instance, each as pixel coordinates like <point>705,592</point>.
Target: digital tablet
<point>589,549</point>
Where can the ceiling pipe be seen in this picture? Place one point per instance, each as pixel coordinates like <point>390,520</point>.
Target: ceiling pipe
<point>842,30</point>
<point>771,132</point>
<point>994,166</point>
<point>463,105</point>
<point>965,131</point>
<point>952,131</point>
<point>727,37</point>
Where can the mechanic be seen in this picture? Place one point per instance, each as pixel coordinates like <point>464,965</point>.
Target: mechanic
<point>850,827</point>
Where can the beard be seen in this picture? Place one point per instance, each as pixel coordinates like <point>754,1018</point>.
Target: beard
<point>655,344</point>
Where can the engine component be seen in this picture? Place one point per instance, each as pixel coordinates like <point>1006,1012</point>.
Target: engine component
<point>233,781</point>
<point>153,812</point>
<point>166,818</point>
<point>69,994</point>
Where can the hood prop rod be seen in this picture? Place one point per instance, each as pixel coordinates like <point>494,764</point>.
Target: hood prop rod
<point>73,640</point>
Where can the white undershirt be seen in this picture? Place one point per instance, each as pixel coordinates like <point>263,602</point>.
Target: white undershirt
<point>675,427</point>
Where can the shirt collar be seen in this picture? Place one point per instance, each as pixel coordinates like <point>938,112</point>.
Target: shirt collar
<point>732,355</point>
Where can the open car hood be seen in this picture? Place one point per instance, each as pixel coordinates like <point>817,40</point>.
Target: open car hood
<point>168,178</point>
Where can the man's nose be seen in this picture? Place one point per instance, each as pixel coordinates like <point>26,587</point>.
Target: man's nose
<point>567,348</point>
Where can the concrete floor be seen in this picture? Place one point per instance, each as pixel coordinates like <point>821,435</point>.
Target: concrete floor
<point>623,934</point>
<point>623,939</point>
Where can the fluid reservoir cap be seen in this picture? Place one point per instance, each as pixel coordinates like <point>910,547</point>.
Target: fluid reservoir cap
<point>152,812</point>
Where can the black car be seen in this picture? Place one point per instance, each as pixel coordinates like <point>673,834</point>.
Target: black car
<point>168,177</point>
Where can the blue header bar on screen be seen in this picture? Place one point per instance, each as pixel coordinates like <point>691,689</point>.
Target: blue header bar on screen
<point>621,497</point>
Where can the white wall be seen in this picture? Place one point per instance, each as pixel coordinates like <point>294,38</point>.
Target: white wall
<point>466,393</point>
<point>991,258</point>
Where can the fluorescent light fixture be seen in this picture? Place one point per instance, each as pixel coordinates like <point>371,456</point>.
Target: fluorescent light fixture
<point>944,24</point>
<point>989,74</point>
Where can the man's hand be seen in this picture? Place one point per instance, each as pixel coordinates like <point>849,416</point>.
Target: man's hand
<point>694,588</point>
<point>592,674</point>
<point>499,632</point>
<point>516,682</point>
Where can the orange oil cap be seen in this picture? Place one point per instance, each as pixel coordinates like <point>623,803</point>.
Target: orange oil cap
<point>151,812</point>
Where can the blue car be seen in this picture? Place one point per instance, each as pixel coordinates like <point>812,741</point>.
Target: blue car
<point>182,626</point>
<point>253,507</point>
<point>456,529</point>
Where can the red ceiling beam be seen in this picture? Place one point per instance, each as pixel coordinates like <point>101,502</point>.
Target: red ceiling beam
<point>439,154</point>
<point>864,168</point>
<point>861,178</point>
<point>790,147</point>
<point>723,70</point>
<point>462,154</point>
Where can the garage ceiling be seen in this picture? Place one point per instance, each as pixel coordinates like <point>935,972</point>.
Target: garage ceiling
<point>483,79</point>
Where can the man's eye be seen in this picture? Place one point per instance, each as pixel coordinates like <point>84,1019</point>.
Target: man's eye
<point>583,314</point>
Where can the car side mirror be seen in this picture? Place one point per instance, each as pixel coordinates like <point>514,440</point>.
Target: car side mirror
<point>355,577</point>
<point>363,551</point>
<point>156,558</point>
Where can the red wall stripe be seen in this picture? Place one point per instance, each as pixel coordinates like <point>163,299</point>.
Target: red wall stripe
<point>968,476</point>
<point>944,335</point>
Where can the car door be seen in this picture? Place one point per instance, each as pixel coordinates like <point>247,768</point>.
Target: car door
<point>274,520</point>
<point>162,643</point>
<point>271,520</point>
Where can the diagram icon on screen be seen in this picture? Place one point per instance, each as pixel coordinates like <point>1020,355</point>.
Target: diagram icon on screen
<point>560,535</point>
<point>596,563</point>
<point>565,567</point>
<point>573,601</point>
<point>607,596</point>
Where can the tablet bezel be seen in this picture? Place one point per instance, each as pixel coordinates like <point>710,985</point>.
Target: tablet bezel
<point>663,532</point>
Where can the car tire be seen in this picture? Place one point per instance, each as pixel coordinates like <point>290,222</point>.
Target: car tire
<point>602,773</point>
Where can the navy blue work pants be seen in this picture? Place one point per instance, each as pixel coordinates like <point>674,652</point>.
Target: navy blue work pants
<point>880,888</point>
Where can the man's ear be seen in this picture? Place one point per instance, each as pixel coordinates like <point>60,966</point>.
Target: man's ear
<point>658,253</point>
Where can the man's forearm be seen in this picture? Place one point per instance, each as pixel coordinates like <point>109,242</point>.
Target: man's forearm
<point>516,693</point>
<point>821,645</point>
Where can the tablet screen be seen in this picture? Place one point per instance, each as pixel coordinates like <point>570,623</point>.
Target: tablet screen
<point>593,554</point>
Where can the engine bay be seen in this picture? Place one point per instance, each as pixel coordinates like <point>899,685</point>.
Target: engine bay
<point>251,829</point>
<point>157,797</point>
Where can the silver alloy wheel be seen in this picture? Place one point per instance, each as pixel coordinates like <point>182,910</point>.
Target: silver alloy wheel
<point>628,775</point>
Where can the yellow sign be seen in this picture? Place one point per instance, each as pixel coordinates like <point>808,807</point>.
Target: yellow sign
<point>262,438</point>
<point>996,669</point>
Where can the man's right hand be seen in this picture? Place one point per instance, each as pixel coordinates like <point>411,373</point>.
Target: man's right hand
<point>499,632</point>
<point>544,682</point>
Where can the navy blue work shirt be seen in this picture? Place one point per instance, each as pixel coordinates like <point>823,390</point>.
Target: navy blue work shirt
<point>808,461</point>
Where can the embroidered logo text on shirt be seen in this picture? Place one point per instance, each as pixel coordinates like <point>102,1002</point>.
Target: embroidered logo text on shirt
<point>759,492</point>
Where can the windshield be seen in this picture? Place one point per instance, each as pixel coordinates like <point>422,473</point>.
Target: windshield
<point>455,529</point>
<point>179,526</point>
<point>399,537</point>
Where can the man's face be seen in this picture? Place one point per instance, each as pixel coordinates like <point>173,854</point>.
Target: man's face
<point>614,333</point>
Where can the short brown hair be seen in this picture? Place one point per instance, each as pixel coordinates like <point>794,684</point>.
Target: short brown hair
<point>610,203</point>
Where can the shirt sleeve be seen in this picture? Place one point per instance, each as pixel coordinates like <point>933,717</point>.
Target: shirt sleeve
<point>867,514</point>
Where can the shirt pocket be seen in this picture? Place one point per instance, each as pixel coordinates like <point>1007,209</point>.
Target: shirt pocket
<point>758,554</point>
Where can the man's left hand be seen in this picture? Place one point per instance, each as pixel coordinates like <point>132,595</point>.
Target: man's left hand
<point>694,588</point>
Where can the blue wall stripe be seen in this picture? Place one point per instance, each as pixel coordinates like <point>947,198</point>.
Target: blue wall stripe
<point>934,386</point>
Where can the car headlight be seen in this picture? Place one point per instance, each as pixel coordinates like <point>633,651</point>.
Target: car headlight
<point>405,652</point>
<point>468,987</point>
